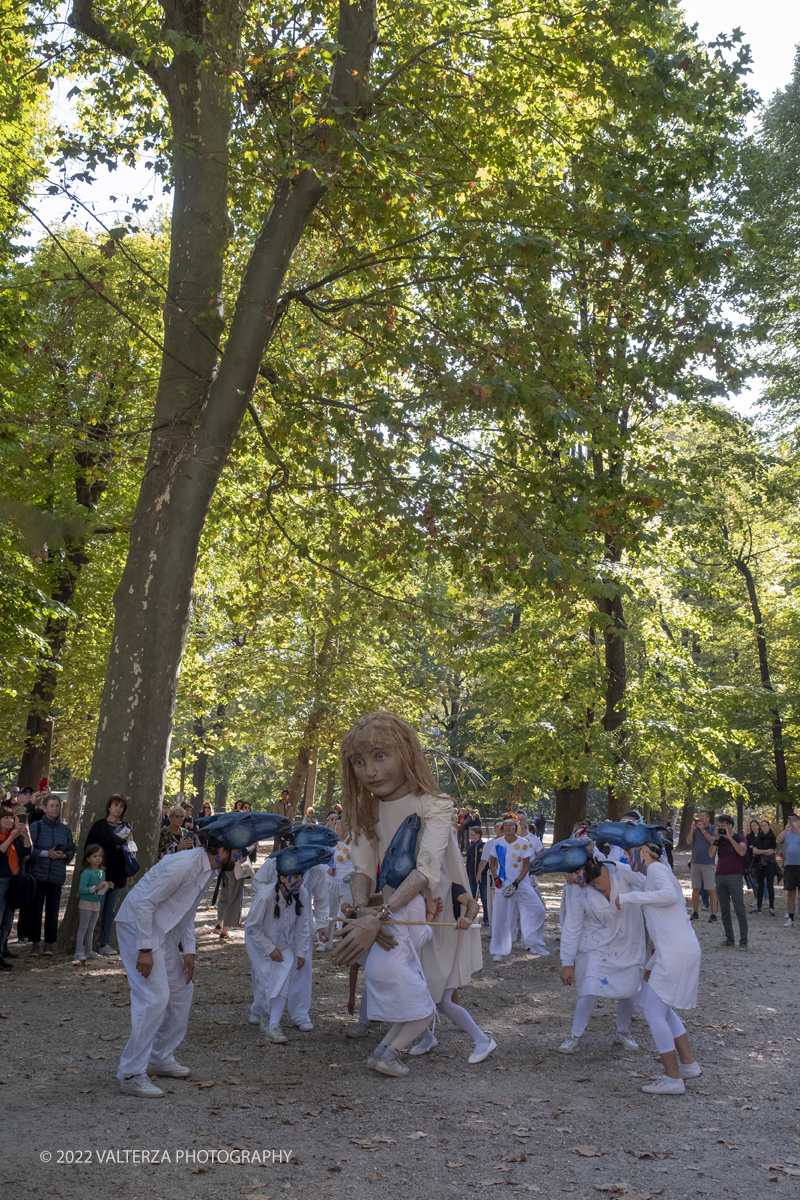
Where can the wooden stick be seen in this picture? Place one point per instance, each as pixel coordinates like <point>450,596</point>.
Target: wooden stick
<point>446,924</point>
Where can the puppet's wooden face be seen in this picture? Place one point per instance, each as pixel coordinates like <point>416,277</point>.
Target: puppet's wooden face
<point>381,772</point>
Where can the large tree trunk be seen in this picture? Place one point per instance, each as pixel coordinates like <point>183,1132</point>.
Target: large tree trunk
<point>71,810</point>
<point>202,395</point>
<point>220,797</point>
<point>570,809</point>
<point>687,816</point>
<point>778,750</point>
<point>615,714</point>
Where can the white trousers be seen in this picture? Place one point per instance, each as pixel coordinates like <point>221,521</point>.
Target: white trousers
<point>299,995</point>
<point>526,905</point>
<point>160,1004</point>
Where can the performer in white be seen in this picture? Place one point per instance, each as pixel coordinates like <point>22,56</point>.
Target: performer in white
<point>514,895</point>
<point>602,948</point>
<point>155,931</point>
<point>339,873</point>
<point>277,937</point>
<point>315,883</point>
<point>673,972</point>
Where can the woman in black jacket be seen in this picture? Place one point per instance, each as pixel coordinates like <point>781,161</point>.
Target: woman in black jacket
<point>112,834</point>
<point>766,866</point>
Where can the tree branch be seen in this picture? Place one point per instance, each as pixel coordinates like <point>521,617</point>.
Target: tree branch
<point>83,20</point>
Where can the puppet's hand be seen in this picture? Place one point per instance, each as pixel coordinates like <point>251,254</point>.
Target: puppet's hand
<point>361,936</point>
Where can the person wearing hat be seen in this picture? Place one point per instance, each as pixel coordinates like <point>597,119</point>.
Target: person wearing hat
<point>514,895</point>
<point>277,935</point>
<point>155,932</point>
<point>673,972</point>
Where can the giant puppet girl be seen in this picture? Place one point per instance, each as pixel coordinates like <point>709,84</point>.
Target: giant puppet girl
<point>385,781</point>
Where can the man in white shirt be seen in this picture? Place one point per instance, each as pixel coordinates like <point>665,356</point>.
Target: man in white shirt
<point>510,861</point>
<point>155,931</point>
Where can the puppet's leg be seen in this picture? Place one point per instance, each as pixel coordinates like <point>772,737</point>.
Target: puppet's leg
<point>532,916</point>
<point>504,914</point>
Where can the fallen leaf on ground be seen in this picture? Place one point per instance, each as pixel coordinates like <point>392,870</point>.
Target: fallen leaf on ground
<point>414,1137</point>
<point>452,1166</point>
<point>587,1151</point>
<point>206,1083</point>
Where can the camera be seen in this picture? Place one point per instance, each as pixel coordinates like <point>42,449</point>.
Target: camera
<point>23,818</point>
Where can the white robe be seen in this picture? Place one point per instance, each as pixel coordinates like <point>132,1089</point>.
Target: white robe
<point>675,966</point>
<point>394,981</point>
<point>339,883</point>
<point>450,957</point>
<point>263,933</point>
<point>606,945</point>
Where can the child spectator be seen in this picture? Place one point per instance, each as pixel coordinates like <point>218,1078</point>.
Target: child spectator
<point>92,887</point>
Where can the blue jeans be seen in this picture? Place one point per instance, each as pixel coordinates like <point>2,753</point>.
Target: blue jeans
<point>6,913</point>
<point>108,910</point>
<point>473,887</point>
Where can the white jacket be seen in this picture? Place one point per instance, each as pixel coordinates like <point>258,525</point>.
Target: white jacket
<point>165,900</point>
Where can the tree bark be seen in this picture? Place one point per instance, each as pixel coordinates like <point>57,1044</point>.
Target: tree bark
<point>220,797</point>
<point>330,788</point>
<point>687,816</point>
<point>311,779</point>
<point>570,809</point>
<point>615,715</point>
<point>202,394</point>
<point>71,810</point>
<point>778,749</point>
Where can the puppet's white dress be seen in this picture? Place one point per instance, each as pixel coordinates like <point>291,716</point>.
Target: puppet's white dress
<point>451,956</point>
<point>675,965</point>
<point>263,933</point>
<point>605,944</point>
<point>395,984</point>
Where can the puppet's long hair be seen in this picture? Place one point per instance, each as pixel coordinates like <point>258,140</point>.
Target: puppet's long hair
<point>385,731</point>
<point>298,907</point>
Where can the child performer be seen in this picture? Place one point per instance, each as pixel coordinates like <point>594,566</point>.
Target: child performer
<point>276,936</point>
<point>465,910</point>
<point>395,987</point>
<point>91,888</point>
<point>672,973</point>
<point>155,931</point>
<point>514,895</point>
<point>602,949</point>
<point>339,873</point>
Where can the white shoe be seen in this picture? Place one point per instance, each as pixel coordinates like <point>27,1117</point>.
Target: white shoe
<point>107,952</point>
<point>140,1085</point>
<point>253,1019</point>
<point>498,957</point>
<point>788,923</point>
<point>390,1064</point>
<point>624,1039</point>
<point>665,1087</point>
<point>357,1030</point>
<point>690,1070</point>
<point>479,1055</point>
<point>79,958</point>
<point>93,954</point>
<point>276,1034</point>
<point>173,1069</point>
<point>306,1026</point>
<point>569,1045</point>
<point>375,1057</point>
<point>426,1043</point>
<point>541,951</point>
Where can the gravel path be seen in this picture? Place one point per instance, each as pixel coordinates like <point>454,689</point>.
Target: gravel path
<point>526,1120</point>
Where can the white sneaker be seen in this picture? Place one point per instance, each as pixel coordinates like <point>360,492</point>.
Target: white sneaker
<point>140,1085</point>
<point>624,1039</point>
<point>173,1069</point>
<point>788,923</point>
<point>306,1026</point>
<point>79,958</point>
<point>276,1034</point>
<point>426,1043</point>
<point>93,954</point>
<point>498,957</point>
<point>375,1057</point>
<point>540,951</point>
<point>569,1045</point>
<point>390,1064</point>
<point>357,1030</point>
<point>253,1019</point>
<point>690,1070</point>
<point>479,1055</point>
<point>665,1087</point>
<point>107,952</point>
